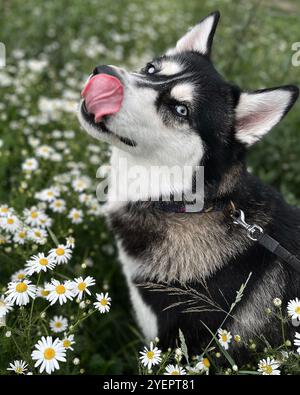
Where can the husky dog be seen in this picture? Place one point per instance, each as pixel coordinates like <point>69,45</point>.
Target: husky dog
<point>183,269</point>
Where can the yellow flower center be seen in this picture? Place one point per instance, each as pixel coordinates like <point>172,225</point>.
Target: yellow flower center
<point>58,204</point>
<point>37,233</point>
<point>20,276</point>
<point>104,303</point>
<point>44,292</point>
<point>21,287</point>
<point>150,354</point>
<point>2,304</point>
<point>66,343</point>
<point>60,289</point>
<point>268,369</point>
<point>4,210</point>
<point>81,286</point>
<point>58,324</point>
<point>75,215</point>
<point>206,362</point>
<point>49,353</point>
<point>19,370</point>
<point>297,309</point>
<point>43,261</point>
<point>224,338</point>
<point>175,373</point>
<point>59,251</point>
<point>10,221</point>
<point>22,235</point>
<point>34,214</point>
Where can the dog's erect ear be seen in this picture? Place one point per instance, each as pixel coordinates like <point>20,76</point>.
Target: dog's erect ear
<point>257,112</point>
<point>200,37</point>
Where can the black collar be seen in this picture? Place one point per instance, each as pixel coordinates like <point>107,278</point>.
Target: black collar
<point>180,207</point>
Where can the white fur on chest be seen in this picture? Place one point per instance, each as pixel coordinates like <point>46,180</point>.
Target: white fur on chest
<point>146,318</point>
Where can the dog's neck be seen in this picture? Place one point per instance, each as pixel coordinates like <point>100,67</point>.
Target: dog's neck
<point>134,179</point>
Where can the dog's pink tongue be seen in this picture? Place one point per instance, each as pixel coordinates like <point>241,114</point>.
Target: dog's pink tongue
<point>103,95</point>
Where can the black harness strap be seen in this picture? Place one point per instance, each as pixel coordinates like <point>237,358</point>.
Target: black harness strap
<point>256,233</point>
<point>272,245</point>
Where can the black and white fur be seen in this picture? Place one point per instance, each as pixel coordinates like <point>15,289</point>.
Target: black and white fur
<point>178,110</point>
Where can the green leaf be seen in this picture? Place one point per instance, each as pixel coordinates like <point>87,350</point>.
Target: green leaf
<point>223,351</point>
<point>183,346</point>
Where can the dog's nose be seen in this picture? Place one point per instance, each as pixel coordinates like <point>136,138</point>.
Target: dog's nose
<point>104,69</point>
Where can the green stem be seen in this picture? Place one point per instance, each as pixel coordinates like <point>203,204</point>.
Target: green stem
<point>39,316</point>
<point>31,310</point>
<point>282,327</point>
<point>81,320</point>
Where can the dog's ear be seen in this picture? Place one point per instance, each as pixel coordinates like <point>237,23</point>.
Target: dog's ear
<point>257,112</point>
<point>200,37</point>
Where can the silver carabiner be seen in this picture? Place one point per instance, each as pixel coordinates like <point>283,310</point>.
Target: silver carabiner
<point>253,231</point>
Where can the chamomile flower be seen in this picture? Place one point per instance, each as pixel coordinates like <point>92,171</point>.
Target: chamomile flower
<point>269,367</point>
<point>19,367</point>
<point>62,254</point>
<point>19,293</point>
<point>5,210</point>
<point>44,151</point>
<point>48,353</point>
<point>76,216</point>
<point>45,221</point>
<point>296,340</point>
<point>38,235</point>
<point>20,236</point>
<point>42,292</point>
<point>19,275</point>
<point>5,306</point>
<point>203,365</point>
<point>38,263</point>
<point>70,242</point>
<point>10,223</point>
<point>150,357</point>
<point>224,338</point>
<point>174,370</point>
<point>4,239</point>
<point>48,194</point>
<point>85,198</point>
<point>81,184</point>
<point>68,341</point>
<point>293,308</point>
<point>81,286</point>
<point>32,216</point>
<point>58,205</point>
<point>60,292</point>
<point>58,324</point>
<point>103,302</point>
<point>30,164</point>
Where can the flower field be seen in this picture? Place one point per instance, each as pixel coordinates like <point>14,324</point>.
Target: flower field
<point>64,306</point>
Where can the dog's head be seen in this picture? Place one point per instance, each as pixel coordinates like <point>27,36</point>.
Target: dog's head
<point>178,110</point>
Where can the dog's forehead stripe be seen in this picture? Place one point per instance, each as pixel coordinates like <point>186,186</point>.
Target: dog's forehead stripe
<point>183,92</point>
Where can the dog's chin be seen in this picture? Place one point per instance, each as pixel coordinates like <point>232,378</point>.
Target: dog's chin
<point>100,130</point>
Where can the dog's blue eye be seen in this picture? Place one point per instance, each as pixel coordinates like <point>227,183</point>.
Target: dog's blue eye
<point>181,110</point>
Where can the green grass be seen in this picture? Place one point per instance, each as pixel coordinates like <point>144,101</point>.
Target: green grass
<point>252,48</point>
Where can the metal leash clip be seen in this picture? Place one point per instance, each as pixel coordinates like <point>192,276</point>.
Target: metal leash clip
<point>253,231</point>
